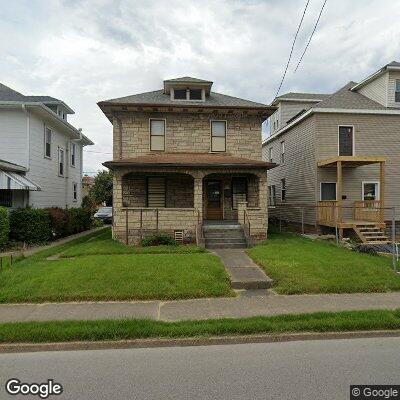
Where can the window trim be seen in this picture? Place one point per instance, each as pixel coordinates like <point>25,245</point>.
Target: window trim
<point>211,135</point>
<point>45,140</point>
<point>270,156</point>
<point>283,190</point>
<point>282,153</point>
<point>377,183</point>
<point>203,94</point>
<point>73,145</point>
<point>58,163</point>
<point>272,197</point>
<point>396,91</point>
<point>74,191</point>
<point>165,133</point>
<point>354,139</point>
<point>320,190</point>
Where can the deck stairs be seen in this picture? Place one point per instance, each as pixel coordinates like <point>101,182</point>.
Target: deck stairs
<point>371,233</point>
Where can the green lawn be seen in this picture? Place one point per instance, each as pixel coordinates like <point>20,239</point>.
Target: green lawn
<point>64,331</point>
<point>300,265</point>
<point>87,273</point>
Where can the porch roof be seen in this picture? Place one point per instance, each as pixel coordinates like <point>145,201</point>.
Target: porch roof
<point>189,160</point>
<point>351,161</point>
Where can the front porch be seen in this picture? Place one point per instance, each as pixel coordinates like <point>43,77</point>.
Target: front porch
<point>367,216</point>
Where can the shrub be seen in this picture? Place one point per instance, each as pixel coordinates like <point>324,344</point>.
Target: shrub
<point>4,227</point>
<point>29,225</point>
<point>157,240</point>
<point>80,219</point>
<point>87,202</point>
<point>59,222</point>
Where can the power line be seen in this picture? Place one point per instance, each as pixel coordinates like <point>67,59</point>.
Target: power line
<point>291,50</point>
<point>98,152</point>
<point>311,36</point>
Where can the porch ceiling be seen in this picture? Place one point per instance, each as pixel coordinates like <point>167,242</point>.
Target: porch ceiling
<point>188,160</point>
<point>350,161</point>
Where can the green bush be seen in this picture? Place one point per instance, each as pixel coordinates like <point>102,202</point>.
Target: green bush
<point>157,240</point>
<point>60,223</point>
<point>29,225</point>
<point>4,227</point>
<point>80,219</point>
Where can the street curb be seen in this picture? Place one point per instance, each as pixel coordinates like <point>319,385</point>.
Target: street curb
<point>184,342</point>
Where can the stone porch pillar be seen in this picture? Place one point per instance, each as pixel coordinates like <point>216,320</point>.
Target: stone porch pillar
<point>198,195</point>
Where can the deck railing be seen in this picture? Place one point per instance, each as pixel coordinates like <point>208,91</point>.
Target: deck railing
<point>328,211</point>
<point>368,210</point>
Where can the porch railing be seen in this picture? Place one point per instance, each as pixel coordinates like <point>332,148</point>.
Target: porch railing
<point>328,211</point>
<point>368,210</point>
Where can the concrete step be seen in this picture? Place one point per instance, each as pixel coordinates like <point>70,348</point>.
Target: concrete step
<point>224,236</point>
<point>226,245</point>
<point>225,240</point>
<point>219,228</point>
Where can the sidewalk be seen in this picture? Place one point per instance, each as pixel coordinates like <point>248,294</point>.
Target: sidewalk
<point>248,304</point>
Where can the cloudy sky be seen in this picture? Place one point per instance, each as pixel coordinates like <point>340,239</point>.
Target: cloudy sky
<point>86,51</point>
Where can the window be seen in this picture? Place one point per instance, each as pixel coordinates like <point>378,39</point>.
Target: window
<point>73,154</point>
<point>156,191</point>
<point>195,94</point>
<point>75,191</point>
<point>397,91</point>
<point>157,134</point>
<point>60,162</point>
<point>328,191</point>
<point>271,196</point>
<point>283,152</point>
<point>179,94</point>
<point>239,191</point>
<point>283,189</point>
<point>346,142</point>
<point>47,142</point>
<point>370,191</point>
<point>270,158</point>
<point>5,198</point>
<point>218,135</point>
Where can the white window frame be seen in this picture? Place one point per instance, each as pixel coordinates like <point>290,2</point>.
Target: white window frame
<point>395,89</point>
<point>354,138</point>
<point>211,135</point>
<point>203,94</point>
<point>377,183</point>
<point>45,141</point>
<point>320,191</point>
<point>283,189</point>
<point>60,149</point>
<point>73,155</point>
<point>165,133</point>
<point>74,191</point>
<point>270,155</point>
<point>272,196</point>
<point>282,153</point>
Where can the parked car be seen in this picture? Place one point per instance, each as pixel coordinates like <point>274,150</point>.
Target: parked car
<point>105,214</point>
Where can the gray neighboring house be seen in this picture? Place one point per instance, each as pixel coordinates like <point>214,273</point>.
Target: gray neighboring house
<point>40,152</point>
<point>338,156</point>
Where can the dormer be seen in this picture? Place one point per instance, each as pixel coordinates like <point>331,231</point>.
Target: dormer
<point>187,89</point>
<point>383,86</point>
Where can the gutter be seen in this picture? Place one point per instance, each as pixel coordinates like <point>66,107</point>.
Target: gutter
<point>28,137</point>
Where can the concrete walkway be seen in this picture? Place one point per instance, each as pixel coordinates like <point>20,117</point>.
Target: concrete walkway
<point>244,273</point>
<point>248,303</point>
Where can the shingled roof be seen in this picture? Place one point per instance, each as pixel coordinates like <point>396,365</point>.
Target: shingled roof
<point>187,79</point>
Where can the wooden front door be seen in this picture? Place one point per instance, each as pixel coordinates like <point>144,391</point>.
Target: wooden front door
<point>213,200</point>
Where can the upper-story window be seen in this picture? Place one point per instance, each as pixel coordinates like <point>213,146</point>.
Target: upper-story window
<point>195,94</point>
<point>283,152</point>
<point>397,91</point>
<point>283,189</point>
<point>188,94</point>
<point>73,154</point>
<point>346,140</point>
<point>157,134</point>
<point>61,162</point>
<point>218,135</point>
<point>47,142</point>
<point>179,94</point>
<point>75,191</point>
<point>270,156</point>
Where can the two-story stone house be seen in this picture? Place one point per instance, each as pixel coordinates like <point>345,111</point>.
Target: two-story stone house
<point>338,156</point>
<point>183,155</point>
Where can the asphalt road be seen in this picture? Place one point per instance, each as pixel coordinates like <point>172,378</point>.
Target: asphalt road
<point>293,370</point>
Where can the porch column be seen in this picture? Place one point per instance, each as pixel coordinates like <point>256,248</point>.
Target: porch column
<point>339,190</point>
<point>382,174</point>
<point>198,195</point>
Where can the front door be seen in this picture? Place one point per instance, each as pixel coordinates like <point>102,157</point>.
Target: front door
<point>214,200</point>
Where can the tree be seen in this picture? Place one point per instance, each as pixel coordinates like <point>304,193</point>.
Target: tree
<point>102,189</point>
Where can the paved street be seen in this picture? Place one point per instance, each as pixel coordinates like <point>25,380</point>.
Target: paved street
<point>291,370</point>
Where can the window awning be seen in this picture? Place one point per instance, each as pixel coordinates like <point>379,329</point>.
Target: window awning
<point>16,181</point>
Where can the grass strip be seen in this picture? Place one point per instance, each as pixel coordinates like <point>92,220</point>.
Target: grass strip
<point>103,330</point>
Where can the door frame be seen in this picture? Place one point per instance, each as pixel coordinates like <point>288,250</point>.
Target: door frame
<point>353,138</point>
<point>221,198</point>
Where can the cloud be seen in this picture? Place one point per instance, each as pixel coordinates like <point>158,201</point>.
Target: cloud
<point>87,51</point>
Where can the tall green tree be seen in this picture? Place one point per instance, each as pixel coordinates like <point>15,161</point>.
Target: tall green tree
<point>101,191</point>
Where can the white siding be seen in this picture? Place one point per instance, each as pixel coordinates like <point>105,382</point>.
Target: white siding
<point>377,90</point>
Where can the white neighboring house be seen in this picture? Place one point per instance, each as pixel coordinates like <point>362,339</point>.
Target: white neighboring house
<point>40,152</point>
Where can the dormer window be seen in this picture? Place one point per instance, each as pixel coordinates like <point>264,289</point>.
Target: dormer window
<point>397,91</point>
<point>195,94</point>
<point>188,94</point>
<point>179,94</point>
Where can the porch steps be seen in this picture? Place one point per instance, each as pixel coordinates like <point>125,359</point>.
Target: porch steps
<point>224,236</point>
<point>371,234</point>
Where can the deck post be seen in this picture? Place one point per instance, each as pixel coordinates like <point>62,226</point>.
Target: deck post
<point>382,189</point>
<point>339,189</point>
